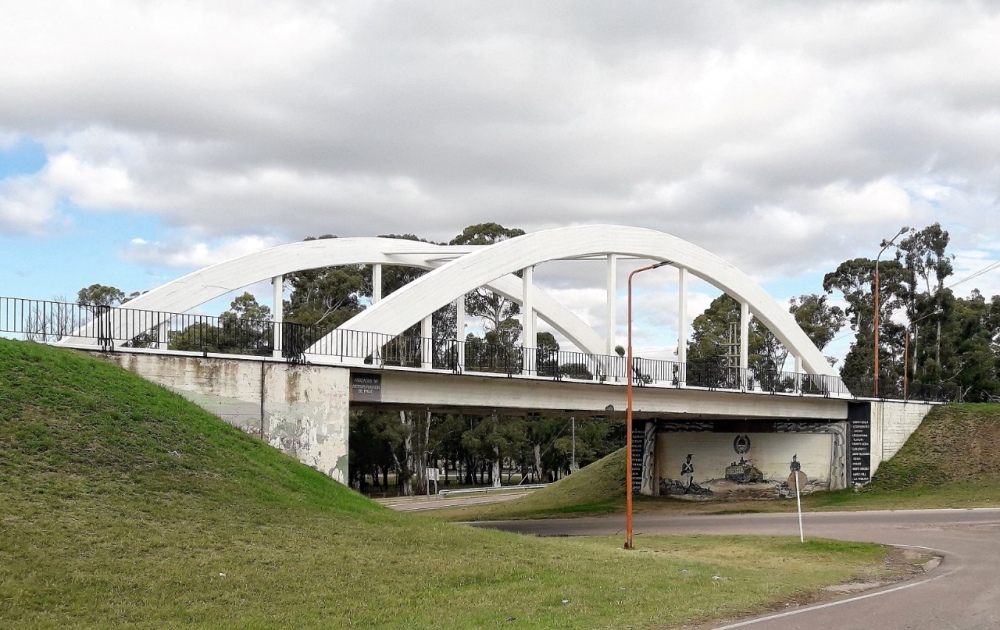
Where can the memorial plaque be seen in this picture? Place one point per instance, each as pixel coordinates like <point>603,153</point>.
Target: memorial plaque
<point>861,450</point>
<point>638,442</point>
<point>366,387</point>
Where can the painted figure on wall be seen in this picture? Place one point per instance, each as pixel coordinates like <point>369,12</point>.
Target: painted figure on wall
<point>687,471</point>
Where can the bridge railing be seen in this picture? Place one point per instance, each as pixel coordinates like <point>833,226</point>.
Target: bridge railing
<point>122,327</point>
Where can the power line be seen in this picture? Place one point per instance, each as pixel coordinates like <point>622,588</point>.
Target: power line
<point>986,269</point>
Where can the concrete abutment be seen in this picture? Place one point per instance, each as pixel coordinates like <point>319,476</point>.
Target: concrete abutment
<point>301,410</point>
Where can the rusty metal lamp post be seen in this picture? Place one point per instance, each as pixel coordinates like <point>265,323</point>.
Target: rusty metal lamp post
<point>886,244</point>
<point>628,410</point>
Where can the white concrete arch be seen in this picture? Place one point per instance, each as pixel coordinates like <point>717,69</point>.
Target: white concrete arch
<point>196,288</point>
<point>397,312</point>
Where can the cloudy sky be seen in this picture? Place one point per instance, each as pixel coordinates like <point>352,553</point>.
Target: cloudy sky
<point>140,140</point>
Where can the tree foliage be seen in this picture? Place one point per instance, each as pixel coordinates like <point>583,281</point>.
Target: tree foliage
<point>100,295</point>
<point>243,329</point>
<point>492,307</point>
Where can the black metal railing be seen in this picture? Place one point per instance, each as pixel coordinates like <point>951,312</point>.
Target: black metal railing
<point>122,327</point>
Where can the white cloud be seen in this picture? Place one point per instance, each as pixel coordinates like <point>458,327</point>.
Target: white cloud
<point>785,138</point>
<point>186,253</point>
<point>25,206</point>
<point>104,186</point>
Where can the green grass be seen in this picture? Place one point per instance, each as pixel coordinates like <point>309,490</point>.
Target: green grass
<point>954,444</point>
<point>121,505</point>
<point>596,489</point>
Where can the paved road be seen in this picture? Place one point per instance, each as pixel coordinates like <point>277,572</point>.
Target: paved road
<point>435,502</point>
<point>963,593</point>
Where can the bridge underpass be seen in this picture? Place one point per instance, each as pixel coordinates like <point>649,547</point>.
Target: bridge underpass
<point>304,410</point>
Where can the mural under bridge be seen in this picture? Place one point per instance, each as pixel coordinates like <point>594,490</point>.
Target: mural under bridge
<point>758,459</point>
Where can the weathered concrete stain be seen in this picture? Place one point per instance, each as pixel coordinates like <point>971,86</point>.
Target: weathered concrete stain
<point>292,386</point>
<point>301,410</point>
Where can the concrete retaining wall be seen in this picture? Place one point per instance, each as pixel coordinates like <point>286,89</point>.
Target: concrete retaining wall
<point>299,409</point>
<point>893,423</point>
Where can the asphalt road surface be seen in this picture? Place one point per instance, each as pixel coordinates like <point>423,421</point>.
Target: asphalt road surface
<point>436,501</point>
<point>962,593</point>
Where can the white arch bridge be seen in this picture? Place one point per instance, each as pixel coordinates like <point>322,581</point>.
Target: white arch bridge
<point>295,387</point>
<point>374,334</point>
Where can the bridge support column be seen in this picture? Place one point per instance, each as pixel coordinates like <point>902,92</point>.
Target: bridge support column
<point>744,343</point>
<point>528,339</point>
<point>278,305</point>
<point>376,283</point>
<point>427,342</point>
<point>460,332</point>
<point>682,326</point>
<point>612,291</point>
<point>163,335</point>
<point>798,371</point>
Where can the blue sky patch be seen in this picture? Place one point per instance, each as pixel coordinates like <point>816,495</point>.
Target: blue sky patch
<point>23,158</point>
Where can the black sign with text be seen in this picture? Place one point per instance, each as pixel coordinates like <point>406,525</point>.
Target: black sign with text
<point>860,443</point>
<point>366,387</point>
<point>638,445</point>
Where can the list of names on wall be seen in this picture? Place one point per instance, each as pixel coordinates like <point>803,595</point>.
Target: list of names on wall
<point>861,450</point>
<point>638,442</point>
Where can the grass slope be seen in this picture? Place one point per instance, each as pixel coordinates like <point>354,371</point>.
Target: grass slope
<point>954,444</point>
<point>121,505</point>
<point>595,489</point>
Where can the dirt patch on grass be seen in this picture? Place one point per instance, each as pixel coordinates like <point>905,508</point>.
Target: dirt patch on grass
<point>901,564</point>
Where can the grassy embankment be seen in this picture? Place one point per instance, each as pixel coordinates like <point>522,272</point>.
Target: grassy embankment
<point>121,505</point>
<point>949,462</point>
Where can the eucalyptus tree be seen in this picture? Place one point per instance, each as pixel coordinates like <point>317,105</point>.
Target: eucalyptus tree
<point>492,307</point>
<point>100,295</point>
<point>713,350</point>
<point>855,280</point>
<point>324,297</point>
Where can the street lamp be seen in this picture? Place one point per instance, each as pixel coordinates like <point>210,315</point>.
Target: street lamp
<point>885,245</point>
<point>628,410</point>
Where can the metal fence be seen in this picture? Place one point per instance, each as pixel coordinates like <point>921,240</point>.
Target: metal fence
<point>122,327</point>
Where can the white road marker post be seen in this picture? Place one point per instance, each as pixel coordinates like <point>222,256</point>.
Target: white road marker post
<point>798,501</point>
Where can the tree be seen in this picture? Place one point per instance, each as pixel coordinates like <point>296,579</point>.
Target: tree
<point>497,350</point>
<point>546,354</point>
<point>914,281</point>
<point>714,348</point>
<point>927,265</point>
<point>713,352</point>
<point>325,297</point>
<point>244,329</point>
<point>923,254</point>
<point>817,319</point>
<point>492,307</point>
<point>247,327</point>
<point>855,279</point>
<point>100,295</point>
<point>51,321</point>
<point>493,439</point>
<point>444,320</point>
